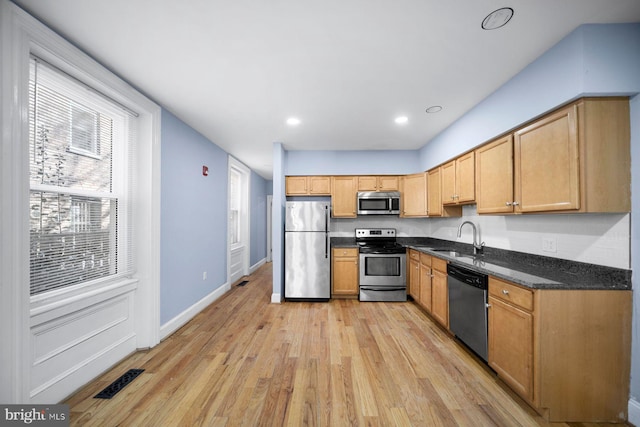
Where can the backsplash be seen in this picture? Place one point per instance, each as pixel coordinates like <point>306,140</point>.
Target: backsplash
<point>602,239</point>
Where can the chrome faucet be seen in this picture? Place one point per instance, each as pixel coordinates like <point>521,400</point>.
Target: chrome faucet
<point>477,247</point>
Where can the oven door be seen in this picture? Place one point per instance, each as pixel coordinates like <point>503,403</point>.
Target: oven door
<point>383,270</point>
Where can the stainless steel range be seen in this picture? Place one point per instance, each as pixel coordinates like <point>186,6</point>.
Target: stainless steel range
<point>382,265</point>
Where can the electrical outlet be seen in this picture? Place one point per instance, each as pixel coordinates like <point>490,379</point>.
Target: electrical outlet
<point>549,244</point>
<point>204,275</point>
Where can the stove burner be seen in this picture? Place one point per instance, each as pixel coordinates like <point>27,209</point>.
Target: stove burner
<point>378,241</point>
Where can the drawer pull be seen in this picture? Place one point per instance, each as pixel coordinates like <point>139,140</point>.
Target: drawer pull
<point>505,292</point>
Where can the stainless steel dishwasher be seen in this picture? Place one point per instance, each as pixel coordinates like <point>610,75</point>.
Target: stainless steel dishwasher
<point>468,307</point>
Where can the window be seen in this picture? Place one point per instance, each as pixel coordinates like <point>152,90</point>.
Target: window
<point>78,181</point>
<point>235,199</point>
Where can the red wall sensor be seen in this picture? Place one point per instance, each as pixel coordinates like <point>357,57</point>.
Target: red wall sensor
<point>205,171</point>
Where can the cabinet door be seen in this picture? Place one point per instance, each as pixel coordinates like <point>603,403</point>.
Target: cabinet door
<point>295,185</point>
<point>434,193</point>
<point>367,183</point>
<point>425,287</point>
<point>465,178</point>
<point>388,183</point>
<point>414,280</point>
<point>344,273</point>
<point>319,185</point>
<point>414,195</point>
<point>448,176</point>
<point>343,196</point>
<point>511,346</point>
<point>547,165</point>
<point>440,297</point>
<point>494,177</point>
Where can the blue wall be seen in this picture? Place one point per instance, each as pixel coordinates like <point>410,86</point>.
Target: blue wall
<point>258,191</point>
<point>352,162</point>
<point>193,218</point>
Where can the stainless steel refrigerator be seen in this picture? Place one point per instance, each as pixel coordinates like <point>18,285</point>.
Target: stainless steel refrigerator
<point>307,260</point>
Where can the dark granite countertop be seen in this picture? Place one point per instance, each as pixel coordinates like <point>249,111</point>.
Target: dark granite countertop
<point>532,271</point>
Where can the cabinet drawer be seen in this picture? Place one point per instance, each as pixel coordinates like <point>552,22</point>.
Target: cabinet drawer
<point>510,293</point>
<point>439,264</point>
<point>425,259</point>
<point>348,252</point>
<point>414,254</point>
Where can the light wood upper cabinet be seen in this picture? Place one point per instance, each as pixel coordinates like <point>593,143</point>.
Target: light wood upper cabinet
<point>378,183</point>
<point>458,180</point>
<point>307,185</point>
<point>296,185</point>
<point>344,271</point>
<point>434,196</point>
<point>546,163</point>
<point>414,195</point>
<point>576,159</point>
<point>343,196</point>
<point>434,192</point>
<point>542,342</point>
<point>494,176</point>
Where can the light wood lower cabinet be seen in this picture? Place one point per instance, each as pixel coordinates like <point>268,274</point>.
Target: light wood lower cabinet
<point>439,292</point>
<point>344,272</point>
<point>428,285</point>
<point>566,352</point>
<point>425,282</point>
<point>413,274</point>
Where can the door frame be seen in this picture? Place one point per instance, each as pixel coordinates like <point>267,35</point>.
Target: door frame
<point>245,214</point>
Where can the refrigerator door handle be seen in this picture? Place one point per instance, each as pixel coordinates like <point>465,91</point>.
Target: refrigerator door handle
<point>326,245</point>
<point>326,231</point>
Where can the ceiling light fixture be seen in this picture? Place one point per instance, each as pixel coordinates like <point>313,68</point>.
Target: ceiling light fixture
<point>293,121</point>
<point>498,18</point>
<point>401,120</point>
<point>434,109</point>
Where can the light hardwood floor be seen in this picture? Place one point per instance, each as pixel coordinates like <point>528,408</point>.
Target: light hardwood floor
<point>246,362</point>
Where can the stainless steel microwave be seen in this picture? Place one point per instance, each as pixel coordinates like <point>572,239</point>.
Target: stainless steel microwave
<point>378,203</point>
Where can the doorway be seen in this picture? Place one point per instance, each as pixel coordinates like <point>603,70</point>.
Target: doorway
<point>238,221</point>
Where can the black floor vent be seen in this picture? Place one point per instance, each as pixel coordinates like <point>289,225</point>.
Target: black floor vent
<point>244,282</point>
<point>119,384</point>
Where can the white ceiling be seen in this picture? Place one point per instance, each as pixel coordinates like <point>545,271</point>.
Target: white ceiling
<point>235,70</point>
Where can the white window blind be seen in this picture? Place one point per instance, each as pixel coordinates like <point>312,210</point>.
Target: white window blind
<point>81,153</point>
<point>235,195</point>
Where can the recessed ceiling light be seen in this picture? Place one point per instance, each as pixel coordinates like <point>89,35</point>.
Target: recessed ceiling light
<point>401,120</point>
<point>498,18</point>
<point>434,109</point>
<point>293,121</point>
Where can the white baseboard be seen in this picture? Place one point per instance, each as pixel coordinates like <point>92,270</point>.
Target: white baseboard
<point>177,322</point>
<point>257,265</point>
<point>276,298</point>
<point>634,412</point>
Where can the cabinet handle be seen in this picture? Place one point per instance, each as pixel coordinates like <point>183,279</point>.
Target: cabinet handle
<point>488,305</point>
<point>505,292</point>
<point>508,203</point>
<point>515,203</point>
